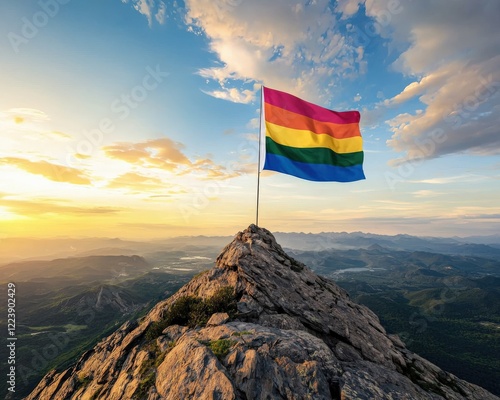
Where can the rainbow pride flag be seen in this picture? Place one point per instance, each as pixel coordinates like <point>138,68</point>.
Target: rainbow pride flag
<point>308,141</point>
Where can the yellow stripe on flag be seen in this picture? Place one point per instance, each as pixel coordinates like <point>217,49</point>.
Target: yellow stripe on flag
<point>307,139</point>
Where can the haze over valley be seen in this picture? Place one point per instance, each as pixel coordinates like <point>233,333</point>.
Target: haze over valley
<point>72,292</point>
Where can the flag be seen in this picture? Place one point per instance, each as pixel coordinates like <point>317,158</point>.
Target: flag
<point>308,141</point>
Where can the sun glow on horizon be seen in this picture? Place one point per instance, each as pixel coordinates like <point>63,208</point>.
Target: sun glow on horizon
<point>130,128</point>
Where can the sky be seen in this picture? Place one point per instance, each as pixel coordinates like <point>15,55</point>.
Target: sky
<point>139,118</point>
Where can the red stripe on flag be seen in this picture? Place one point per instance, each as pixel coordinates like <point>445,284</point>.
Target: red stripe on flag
<point>292,103</point>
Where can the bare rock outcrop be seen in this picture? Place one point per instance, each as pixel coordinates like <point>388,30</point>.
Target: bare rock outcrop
<point>292,335</point>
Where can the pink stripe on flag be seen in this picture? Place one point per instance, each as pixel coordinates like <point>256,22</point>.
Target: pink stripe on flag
<point>292,103</point>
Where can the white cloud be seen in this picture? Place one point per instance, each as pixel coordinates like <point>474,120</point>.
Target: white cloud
<point>150,9</point>
<point>167,155</point>
<point>234,95</point>
<point>21,115</point>
<point>427,83</point>
<point>452,179</point>
<point>348,7</point>
<point>144,7</point>
<point>161,13</point>
<point>426,193</point>
<point>293,47</point>
<point>28,123</point>
<point>452,52</point>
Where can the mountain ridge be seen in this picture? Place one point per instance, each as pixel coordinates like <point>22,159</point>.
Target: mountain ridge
<point>293,335</point>
<point>25,249</point>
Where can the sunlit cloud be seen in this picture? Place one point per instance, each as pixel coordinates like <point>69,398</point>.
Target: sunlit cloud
<point>254,43</point>
<point>15,120</point>
<point>234,95</point>
<point>82,156</point>
<point>494,217</point>
<point>161,14</point>
<point>430,82</point>
<point>38,207</point>
<point>167,155</point>
<point>348,7</point>
<point>394,205</point>
<point>58,135</point>
<point>207,169</point>
<point>6,214</point>
<point>426,193</point>
<point>18,124</point>
<point>21,115</point>
<point>440,97</point>
<point>151,9</point>
<point>137,183</point>
<point>456,75</point>
<point>160,153</point>
<point>451,179</point>
<point>394,202</point>
<point>473,212</point>
<point>54,172</point>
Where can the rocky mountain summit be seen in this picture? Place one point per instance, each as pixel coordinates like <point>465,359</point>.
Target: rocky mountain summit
<point>259,325</point>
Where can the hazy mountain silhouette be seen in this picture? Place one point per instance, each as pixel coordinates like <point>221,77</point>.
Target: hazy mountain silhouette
<point>258,325</point>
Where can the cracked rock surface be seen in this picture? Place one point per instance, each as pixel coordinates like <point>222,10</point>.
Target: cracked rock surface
<point>295,335</point>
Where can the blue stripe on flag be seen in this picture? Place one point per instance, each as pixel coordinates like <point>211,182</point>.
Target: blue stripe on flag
<point>313,172</point>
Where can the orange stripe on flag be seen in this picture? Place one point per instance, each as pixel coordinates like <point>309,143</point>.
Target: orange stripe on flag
<point>289,119</point>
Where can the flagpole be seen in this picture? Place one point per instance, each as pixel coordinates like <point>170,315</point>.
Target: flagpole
<point>258,163</point>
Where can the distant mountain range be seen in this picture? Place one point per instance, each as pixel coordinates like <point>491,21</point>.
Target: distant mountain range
<point>406,279</point>
<point>18,249</point>
<point>259,324</point>
<point>22,249</point>
<point>356,240</point>
<point>75,269</point>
